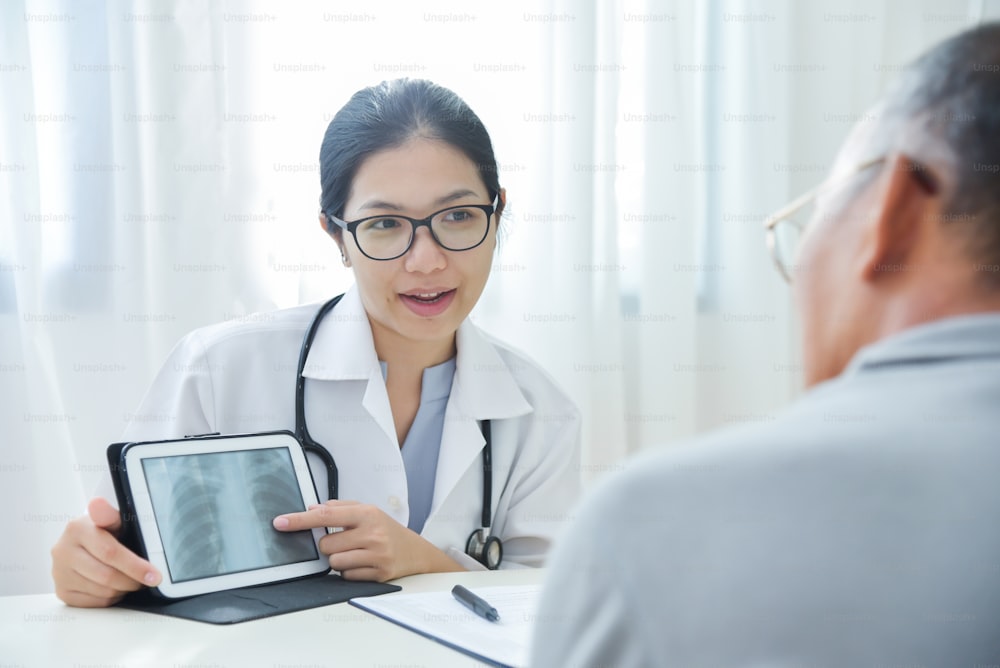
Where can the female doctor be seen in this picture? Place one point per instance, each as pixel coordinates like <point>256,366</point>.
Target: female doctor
<point>400,388</point>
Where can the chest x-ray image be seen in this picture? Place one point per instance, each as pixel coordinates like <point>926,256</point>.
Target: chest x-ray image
<point>215,510</point>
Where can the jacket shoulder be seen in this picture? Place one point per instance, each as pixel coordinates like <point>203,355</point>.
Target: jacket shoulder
<point>263,326</point>
<point>539,387</point>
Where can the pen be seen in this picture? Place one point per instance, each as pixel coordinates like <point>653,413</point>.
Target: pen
<point>474,603</point>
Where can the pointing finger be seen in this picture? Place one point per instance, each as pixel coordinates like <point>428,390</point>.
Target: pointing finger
<point>321,516</point>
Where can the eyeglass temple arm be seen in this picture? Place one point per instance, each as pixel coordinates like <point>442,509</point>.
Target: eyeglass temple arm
<point>332,222</point>
<point>806,197</point>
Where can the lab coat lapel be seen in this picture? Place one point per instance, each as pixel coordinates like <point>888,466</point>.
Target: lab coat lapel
<point>483,389</point>
<point>345,350</point>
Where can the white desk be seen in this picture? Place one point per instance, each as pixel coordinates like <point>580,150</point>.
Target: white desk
<point>41,631</point>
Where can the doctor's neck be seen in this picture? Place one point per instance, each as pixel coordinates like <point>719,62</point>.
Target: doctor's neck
<point>404,353</point>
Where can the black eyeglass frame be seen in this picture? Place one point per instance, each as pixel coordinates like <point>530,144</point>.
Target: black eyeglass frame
<point>352,227</point>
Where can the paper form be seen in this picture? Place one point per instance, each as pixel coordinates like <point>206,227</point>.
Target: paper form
<point>439,616</point>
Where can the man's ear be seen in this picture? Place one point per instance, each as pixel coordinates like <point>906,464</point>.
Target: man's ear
<point>895,220</point>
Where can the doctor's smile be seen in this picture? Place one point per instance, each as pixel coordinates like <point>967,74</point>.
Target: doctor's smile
<point>428,303</point>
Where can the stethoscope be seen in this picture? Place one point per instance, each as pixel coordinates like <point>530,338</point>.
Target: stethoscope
<point>481,546</point>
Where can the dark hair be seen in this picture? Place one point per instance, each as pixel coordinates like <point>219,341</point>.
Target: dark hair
<point>953,93</point>
<point>388,115</point>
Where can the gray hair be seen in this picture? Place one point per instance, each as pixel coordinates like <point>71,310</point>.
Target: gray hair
<point>952,93</point>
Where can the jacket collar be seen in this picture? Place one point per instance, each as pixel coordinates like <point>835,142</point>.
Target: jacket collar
<point>487,387</point>
<point>343,348</point>
<point>484,385</point>
<point>961,337</point>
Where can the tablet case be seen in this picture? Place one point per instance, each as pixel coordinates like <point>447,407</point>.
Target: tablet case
<point>233,605</point>
<point>129,533</point>
<point>248,603</point>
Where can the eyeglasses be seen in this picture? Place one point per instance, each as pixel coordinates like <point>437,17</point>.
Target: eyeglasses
<point>786,226</point>
<point>387,237</point>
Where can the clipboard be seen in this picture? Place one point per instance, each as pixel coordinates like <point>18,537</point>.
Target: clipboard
<point>436,615</point>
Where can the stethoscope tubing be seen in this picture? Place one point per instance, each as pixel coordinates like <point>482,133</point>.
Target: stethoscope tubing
<point>309,445</point>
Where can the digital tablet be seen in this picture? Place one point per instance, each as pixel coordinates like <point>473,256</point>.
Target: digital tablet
<point>203,509</point>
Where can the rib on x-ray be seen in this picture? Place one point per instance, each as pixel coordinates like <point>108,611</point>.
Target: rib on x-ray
<point>274,491</point>
<point>192,530</point>
<point>215,511</point>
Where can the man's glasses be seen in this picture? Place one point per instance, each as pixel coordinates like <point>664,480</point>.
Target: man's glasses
<point>387,237</point>
<point>786,226</point>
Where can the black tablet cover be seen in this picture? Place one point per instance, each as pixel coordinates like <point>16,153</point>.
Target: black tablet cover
<point>248,603</point>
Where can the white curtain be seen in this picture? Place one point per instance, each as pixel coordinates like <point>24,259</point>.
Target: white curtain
<point>158,172</point>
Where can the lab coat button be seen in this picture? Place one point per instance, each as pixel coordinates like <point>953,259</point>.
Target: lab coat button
<point>394,502</point>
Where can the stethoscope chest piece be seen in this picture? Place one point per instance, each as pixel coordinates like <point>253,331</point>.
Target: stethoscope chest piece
<point>484,548</point>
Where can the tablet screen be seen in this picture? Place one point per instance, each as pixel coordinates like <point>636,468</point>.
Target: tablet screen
<point>214,511</point>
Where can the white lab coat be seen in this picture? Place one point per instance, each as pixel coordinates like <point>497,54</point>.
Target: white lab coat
<point>239,377</point>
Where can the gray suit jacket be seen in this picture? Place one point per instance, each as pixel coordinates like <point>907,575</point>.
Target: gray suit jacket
<point>860,528</point>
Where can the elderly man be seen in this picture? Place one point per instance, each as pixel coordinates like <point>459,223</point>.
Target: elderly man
<point>862,526</point>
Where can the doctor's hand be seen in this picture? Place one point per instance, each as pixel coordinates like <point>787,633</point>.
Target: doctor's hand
<point>90,568</point>
<point>371,545</point>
